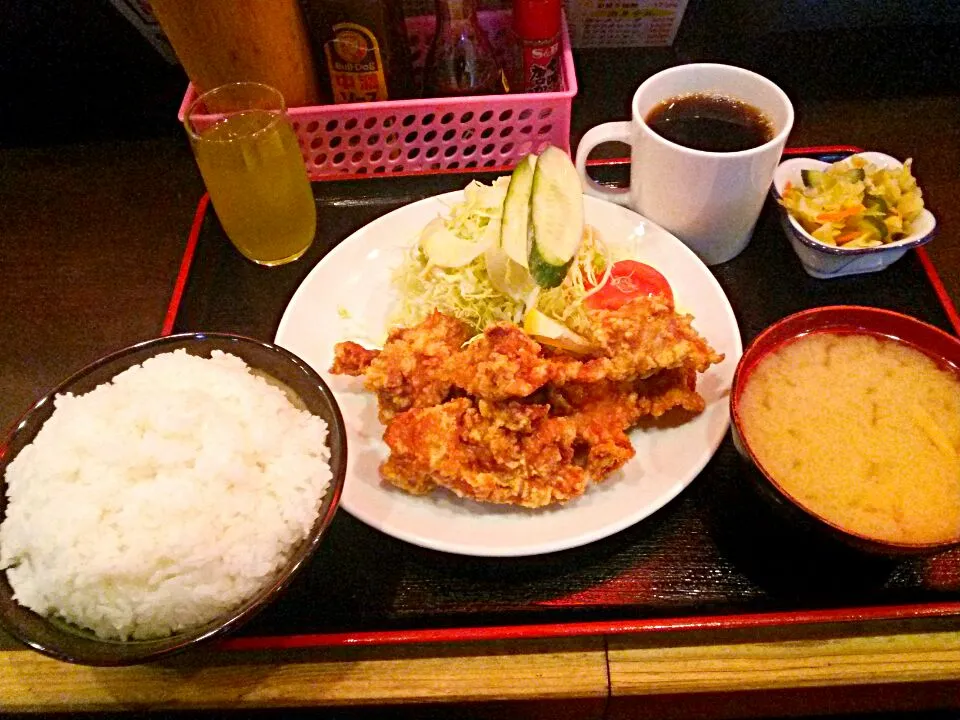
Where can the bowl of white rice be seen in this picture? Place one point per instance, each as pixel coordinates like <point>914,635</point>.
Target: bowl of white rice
<point>163,495</point>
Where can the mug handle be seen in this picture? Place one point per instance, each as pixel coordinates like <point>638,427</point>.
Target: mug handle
<point>607,132</point>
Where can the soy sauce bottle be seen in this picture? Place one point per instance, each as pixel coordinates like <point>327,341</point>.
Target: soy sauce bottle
<point>362,48</point>
<point>461,60</point>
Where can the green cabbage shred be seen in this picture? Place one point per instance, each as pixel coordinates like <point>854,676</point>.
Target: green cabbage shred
<point>467,293</point>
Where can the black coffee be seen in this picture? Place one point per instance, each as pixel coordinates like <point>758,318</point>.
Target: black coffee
<point>715,123</point>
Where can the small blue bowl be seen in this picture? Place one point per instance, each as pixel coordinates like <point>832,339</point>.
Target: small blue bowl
<point>827,261</point>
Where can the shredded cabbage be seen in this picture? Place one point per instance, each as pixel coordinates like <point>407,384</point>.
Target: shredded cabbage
<point>464,292</point>
<point>590,269</point>
<point>477,218</point>
<point>467,293</point>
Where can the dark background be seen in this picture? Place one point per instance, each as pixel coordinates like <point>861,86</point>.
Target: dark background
<point>76,70</point>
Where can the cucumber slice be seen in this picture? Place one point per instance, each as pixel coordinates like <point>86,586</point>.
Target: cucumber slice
<point>546,274</point>
<point>876,202</point>
<point>515,223</point>
<point>811,178</point>
<point>869,223</point>
<point>556,217</point>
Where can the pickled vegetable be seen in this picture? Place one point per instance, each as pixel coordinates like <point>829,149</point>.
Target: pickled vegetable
<point>855,204</point>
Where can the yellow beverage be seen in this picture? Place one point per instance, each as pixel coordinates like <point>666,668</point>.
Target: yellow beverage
<point>253,170</point>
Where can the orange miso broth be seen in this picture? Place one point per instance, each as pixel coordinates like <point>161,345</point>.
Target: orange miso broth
<point>861,430</point>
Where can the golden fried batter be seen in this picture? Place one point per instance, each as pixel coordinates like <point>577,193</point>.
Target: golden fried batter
<point>514,453</point>
<point>349,358</point>
<point>643,337</point>
<point>535,427</point>
<point>411,370</point>
<point>627,401</point>
<point>505,363</point>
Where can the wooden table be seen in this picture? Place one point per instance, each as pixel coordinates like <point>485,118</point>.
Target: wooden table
<point>90,241</point>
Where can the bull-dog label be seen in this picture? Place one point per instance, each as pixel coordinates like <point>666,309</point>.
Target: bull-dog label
<point>355,65</point>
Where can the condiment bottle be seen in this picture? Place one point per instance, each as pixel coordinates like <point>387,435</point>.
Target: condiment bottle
<point>461,60</point>
<point>364,48</point>
<point>226,41</point>
<point>536,25</point>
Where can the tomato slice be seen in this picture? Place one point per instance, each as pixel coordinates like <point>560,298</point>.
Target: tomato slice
<point>629,279</point>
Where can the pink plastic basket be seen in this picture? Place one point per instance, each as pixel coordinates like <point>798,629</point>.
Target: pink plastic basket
<point>430,134</point>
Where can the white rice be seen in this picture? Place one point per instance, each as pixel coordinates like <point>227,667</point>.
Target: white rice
<point>162,499</point>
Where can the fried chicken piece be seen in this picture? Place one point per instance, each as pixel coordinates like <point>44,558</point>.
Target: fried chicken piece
<point>506,363</point>
<point>529,454</point>
<point>624,402</point>
<point>643,337</point>
<point>603,412</point>
<point>510,453</point>
<point>420,366</point>
<point>349,358</point>
<point>537,425</point>
<point>636,341</point>
<point>670,390</point>
<point>411,370</point>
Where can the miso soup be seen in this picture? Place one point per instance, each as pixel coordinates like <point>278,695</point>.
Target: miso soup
<point>863,431</point>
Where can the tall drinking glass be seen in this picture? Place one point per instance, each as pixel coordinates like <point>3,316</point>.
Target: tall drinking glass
<point>250,161</point>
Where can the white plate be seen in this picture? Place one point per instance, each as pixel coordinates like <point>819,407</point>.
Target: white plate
<point>347,297</point>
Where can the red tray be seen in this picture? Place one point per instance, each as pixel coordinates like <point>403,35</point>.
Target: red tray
<point>693,565</point>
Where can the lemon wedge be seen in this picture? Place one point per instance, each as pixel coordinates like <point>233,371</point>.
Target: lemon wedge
<point>547,331</point>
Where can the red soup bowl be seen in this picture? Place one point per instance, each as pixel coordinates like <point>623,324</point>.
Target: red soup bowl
<point>940,346</point>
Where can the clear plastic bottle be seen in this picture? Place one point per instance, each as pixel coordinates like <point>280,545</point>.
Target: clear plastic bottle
<point>461,60</point>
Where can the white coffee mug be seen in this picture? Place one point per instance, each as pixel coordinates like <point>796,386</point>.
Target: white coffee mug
<point>710,200</point>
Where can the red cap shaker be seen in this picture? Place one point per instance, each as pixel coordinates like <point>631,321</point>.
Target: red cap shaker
<point>536,24</point>
<point>536,19</point>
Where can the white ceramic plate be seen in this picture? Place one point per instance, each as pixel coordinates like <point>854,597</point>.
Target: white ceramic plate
<point>347,297</point>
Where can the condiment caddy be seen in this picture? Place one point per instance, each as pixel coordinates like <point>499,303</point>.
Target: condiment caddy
<point>429,134</point>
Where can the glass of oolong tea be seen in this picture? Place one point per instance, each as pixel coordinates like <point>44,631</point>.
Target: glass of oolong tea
<point>705,141</point>
<point>250,160</point>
